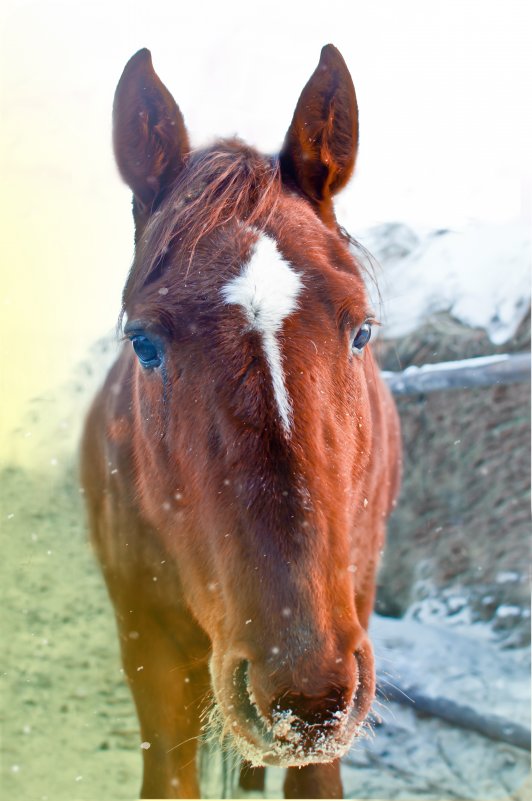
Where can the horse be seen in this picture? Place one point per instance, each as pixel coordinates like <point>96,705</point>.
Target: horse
<point>241,460</point>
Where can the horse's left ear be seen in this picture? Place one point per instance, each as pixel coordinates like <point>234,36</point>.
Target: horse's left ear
<point>149,134</point>
<point>320,147</point>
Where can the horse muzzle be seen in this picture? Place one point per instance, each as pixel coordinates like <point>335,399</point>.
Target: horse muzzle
<point>272,721</point>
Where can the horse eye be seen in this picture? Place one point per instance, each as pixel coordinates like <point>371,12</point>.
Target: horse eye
<point>146,351</point>
<point>362,337</point>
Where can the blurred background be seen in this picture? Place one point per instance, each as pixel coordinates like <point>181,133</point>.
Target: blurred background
<point>441,198</point>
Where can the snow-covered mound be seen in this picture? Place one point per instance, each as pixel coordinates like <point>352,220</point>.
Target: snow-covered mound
<point>480,275</point>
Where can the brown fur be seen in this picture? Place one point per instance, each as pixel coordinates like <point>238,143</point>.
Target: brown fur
<point>230,547</point>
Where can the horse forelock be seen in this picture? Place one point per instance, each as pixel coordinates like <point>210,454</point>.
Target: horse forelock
<point>229,182</point>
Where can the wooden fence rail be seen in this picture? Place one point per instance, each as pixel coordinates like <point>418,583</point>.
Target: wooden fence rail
<point>483,371</point>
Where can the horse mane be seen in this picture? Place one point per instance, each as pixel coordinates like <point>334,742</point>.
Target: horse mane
<point>218,185</point>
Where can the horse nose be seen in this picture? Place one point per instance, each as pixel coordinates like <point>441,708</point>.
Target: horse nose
<point>314,694</point>
<point>316,708</point>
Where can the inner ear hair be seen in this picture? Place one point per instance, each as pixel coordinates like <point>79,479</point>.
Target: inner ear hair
<point>320,147</point>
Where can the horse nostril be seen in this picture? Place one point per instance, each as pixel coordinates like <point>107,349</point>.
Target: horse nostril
<point>241,683</point>
<point>242,693</point>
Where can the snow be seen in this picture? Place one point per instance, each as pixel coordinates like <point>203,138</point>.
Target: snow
<point>507,577</point>
<point>508,610</point>
<point>417,653</point>
<point>480,275</point>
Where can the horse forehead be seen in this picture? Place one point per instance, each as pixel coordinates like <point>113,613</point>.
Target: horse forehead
<point>280,275</point>
<point>266,288</point>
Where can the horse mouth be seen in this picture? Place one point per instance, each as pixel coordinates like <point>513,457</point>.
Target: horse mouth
<point>286,740</point>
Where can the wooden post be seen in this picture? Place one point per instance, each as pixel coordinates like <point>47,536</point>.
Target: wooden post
<point>483,371</point>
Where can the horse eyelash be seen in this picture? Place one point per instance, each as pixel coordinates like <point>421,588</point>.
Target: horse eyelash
<point>346,320</point>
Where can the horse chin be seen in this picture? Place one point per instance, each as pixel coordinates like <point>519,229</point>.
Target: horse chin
<point>286,740</point>
<point>289,742</point>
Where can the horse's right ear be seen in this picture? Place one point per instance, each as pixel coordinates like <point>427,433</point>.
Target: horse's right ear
<point>149,135</point>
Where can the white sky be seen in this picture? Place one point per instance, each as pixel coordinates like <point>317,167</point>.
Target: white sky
<point>444,96</point>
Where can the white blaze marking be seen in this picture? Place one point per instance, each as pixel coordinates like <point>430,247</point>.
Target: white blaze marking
<point>267,290</point>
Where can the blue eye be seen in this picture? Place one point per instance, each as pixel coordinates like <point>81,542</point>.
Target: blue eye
<point>362,337</point>
<point>146,350</point>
